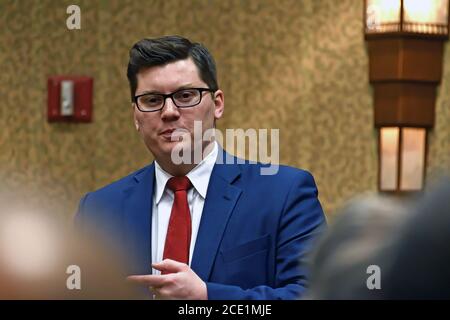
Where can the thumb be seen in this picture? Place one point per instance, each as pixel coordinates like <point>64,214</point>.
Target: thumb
<point>169,266</point>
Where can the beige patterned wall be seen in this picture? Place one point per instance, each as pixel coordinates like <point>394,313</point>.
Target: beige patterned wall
<point>297,65</point>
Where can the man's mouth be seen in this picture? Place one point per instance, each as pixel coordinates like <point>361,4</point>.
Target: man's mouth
<point>172,134</point>
<point>168,131</point>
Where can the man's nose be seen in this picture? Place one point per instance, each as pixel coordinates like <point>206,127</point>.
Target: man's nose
<point>170,110</point>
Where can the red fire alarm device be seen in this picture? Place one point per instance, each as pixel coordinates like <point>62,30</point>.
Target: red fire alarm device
<point>70,98</point>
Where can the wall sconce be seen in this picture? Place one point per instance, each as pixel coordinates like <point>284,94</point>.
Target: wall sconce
<point>407,16</point>
<point>405,43</point>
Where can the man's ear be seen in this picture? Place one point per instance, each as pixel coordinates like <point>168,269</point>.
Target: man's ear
<point>219,104</point>
<point>136,121</point>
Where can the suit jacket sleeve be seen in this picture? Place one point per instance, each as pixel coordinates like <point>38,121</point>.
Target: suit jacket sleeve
<point>301,221</point>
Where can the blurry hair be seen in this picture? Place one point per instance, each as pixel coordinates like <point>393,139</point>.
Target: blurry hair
<point>407,240</point>
<point>420,257</point>
<point>356,240</point>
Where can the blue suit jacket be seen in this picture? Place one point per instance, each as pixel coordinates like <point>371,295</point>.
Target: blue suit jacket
<point>254,234</point>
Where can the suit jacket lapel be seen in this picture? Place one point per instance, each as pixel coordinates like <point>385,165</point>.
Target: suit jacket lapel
<point>137,221</point>
<point>220,201</point>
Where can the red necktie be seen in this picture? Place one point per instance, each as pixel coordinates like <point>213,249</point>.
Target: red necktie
<point>178,236</point>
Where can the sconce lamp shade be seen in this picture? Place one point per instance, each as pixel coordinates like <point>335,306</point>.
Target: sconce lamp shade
<point>425,17</point>
<point>402,153</point>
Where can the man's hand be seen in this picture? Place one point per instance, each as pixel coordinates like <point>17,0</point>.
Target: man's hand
<point>180,283</point>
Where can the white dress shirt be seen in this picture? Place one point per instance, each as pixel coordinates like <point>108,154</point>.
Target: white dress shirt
<point>163,200</point>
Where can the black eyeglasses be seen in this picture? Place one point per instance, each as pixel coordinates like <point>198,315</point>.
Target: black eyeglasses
<point>184,98</point>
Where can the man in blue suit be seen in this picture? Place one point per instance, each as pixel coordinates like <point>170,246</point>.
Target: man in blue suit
<point>206,229</point>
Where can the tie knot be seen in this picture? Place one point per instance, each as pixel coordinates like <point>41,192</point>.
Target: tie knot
<point>179,183</point>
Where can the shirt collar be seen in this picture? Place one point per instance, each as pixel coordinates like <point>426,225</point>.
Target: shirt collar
<point>199,176</point>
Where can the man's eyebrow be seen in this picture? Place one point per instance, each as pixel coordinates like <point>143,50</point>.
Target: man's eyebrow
<point>184,86</point>
<point>148,91</point>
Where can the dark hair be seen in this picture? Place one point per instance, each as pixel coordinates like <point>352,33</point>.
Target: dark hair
<point>160,51</point>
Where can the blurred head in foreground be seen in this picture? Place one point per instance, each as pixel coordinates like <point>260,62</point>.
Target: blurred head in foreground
<point>404,246</point>
<point>43,259</point>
